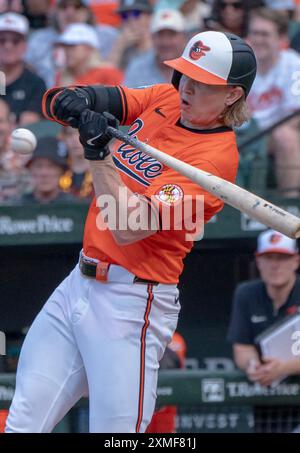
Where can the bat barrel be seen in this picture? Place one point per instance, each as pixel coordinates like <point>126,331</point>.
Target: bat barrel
<point>237,197</point>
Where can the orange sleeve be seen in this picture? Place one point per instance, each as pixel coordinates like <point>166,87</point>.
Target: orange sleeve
<point>137,100</point>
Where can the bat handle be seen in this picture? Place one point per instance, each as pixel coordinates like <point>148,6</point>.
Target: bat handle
<point>116,133</point>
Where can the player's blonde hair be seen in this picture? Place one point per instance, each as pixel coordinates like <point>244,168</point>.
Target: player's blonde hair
<point>236,114</point>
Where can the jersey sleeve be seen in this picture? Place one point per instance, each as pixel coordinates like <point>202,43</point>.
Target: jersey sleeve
<point>136,100</point>
<point>197,206</point>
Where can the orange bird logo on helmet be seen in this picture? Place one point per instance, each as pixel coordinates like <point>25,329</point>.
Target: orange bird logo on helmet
<point>198,50</point>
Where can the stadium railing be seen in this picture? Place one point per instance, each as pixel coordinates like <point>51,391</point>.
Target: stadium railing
<point>205,403</point>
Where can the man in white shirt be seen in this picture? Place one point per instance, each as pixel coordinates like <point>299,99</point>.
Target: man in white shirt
<point>276,94</point>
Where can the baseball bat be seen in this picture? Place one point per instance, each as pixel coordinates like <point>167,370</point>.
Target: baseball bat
<point>243,200</point>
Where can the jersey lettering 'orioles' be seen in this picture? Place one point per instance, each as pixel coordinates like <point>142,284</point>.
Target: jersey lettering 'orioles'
<point>212,151</point>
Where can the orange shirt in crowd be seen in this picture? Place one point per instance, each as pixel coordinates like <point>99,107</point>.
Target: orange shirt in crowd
<point>105,75</point>
<point>105,12</point>
<point>154,115</point>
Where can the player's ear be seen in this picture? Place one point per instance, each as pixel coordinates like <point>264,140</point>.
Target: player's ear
<point>233,95</point>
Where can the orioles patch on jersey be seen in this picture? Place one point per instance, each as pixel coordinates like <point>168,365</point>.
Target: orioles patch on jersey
<point>153,114</point>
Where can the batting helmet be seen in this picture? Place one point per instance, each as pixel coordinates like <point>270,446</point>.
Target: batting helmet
<point>216,58</point>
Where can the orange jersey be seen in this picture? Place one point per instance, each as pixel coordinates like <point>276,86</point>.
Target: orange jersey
<point>154,115</point>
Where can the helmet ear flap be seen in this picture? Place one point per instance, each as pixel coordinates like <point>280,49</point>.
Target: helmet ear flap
<point>176,79</point>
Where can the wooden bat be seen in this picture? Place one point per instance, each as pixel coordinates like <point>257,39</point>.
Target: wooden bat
<point>243,200</point>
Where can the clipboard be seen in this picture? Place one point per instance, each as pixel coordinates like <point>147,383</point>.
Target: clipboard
<point>278,341</point>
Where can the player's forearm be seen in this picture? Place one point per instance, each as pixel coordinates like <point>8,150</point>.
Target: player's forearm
<point>110,189</point>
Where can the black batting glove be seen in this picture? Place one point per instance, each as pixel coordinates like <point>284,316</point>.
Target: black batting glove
<point>69,105</point>
<point>93,133</point>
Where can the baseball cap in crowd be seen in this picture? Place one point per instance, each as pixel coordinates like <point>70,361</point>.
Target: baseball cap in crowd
<point>167,19</point>
<point>135,5</point>
<point>14,22</point>
<point>49,148</point>
<point>79,33</point>
<point>271,241</point>
<point>216,58</point>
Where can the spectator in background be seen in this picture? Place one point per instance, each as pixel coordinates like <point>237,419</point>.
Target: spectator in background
<point>284,6</point>
<point>14,177</point>
<point>294,27</point>
<point>257,305</point>
<point>6,126</point>
<point>36,12</point>
<point>14,6</point>
<point>194,12</point>
<point>41,52</point>
<point>275,94</point>
<point>169,38</point>
<point>83,65</point>
<point>297,10</point>
<point>134,38</point>
<point>24,89</point>
<point>77,179</point>
<point>46,168</point>
<point>231,15</point>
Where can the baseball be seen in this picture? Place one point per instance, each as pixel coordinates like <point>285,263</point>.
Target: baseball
<point>23,141</point>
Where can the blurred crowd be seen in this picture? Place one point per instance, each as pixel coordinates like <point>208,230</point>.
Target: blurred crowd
<point>45,43</point>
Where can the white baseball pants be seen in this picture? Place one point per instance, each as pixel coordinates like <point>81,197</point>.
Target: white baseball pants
<point>104,340</point>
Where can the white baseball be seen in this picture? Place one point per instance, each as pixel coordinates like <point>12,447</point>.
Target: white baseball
<point>23,141</point>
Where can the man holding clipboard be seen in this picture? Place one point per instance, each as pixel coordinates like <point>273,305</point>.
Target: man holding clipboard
<point>260,304</point>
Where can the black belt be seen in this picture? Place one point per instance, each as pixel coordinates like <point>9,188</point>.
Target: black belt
<point>89,270</point>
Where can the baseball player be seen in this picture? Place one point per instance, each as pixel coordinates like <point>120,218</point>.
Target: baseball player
<point>105,328</point>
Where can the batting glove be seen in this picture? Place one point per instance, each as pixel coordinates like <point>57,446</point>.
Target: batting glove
<point>69,105</point>
<point>93,133</point>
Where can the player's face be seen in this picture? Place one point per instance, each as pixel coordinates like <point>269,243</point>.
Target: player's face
<point>45,175</point>
<point>277,269</point>
<point>264,38</point>
<point>201,105</point>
